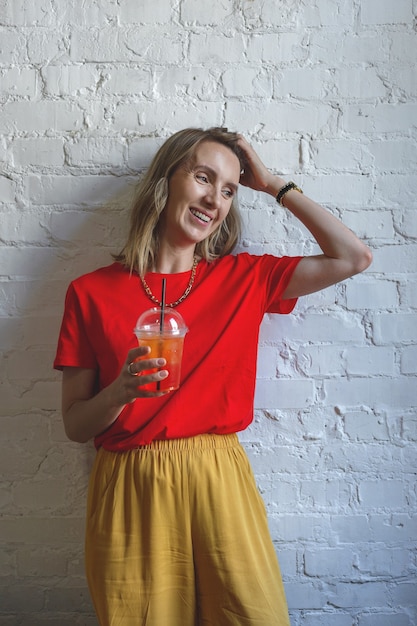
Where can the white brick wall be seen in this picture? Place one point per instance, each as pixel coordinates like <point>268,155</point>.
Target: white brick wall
<point>326,91</point>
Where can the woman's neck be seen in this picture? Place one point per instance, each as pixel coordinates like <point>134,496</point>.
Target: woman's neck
<point>170,262</point>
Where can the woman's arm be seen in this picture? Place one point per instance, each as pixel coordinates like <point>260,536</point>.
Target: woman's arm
<point>343,253</point>
<point>87,413</point>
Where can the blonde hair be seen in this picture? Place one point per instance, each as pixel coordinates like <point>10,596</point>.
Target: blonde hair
<point>141,248</point>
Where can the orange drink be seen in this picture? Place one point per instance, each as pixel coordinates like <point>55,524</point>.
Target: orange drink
<point>170,349</point>
<point>163,331</point>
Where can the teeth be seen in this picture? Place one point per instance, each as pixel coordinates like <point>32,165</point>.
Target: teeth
<point>201,216</point>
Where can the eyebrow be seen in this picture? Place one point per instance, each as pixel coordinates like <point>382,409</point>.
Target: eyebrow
<point>213,173</point>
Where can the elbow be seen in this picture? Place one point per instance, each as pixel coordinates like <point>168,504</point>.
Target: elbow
<point>364,259</point>
<point>74,434</point>
<point>359,261</point>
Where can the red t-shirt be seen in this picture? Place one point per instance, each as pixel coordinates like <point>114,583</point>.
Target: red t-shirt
<point>223,313</point>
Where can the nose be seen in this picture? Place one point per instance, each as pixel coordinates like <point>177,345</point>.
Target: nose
<point>214,196</point>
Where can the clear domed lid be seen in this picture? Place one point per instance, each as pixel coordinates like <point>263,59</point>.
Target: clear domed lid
<point>158,321</point>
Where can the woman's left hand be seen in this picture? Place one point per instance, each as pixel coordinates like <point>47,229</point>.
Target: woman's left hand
<point>256,175</point>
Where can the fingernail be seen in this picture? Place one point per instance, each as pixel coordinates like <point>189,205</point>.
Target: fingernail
<point>163,374</point>
<point>161,361</point>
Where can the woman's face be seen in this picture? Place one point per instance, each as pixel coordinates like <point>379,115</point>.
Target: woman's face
<point>200,195</point>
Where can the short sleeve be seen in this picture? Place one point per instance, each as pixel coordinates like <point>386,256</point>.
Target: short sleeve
<point>280,271</point>
<point>74,347</point>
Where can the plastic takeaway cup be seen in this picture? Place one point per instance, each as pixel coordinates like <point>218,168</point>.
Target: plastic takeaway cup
<point>163,330</point>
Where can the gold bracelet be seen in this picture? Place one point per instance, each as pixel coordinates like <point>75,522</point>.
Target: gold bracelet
<point>285,189</point>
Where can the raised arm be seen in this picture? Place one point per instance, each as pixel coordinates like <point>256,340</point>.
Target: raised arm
<point>343,253</point>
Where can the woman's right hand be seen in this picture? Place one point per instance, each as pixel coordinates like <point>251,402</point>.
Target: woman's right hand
<point>87,413</point>
<point>131,378</point>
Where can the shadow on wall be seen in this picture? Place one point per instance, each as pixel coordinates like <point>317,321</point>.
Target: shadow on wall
<point>45,476</point>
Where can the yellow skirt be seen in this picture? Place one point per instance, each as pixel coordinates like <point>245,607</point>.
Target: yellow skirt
<point>177,535</point>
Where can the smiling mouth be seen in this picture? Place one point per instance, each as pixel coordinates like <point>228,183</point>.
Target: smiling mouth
<point>201,216</point>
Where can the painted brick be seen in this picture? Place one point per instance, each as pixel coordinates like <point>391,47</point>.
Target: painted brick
<point>96,151</point>
<point>380,118</point>
<point>63,80</point>
<point>370,360</point>
<point>282,459</point>
<point>7,189</point>
<point>340,190</point>
<point>404,594</point>
<point>283,394</point>
<point>374,392</point>
<point>140,152</point>
<point>340,155</point>
<point>27,14</point>
<point>17,82</point>
<point>304,84</point>
<point>38,152</point>
<point>384,562</point>
<point>402,47</point>
<point>247,82</point>
<point>325,494</point>
<point>213,48</point>
<point>362,47</point>
<point>325,327</point>
<point>319,562</point>
<point>304,596</point>
<point>44,44</point>
<point>267,362</point>
<point>31,562</point>
<point>325,13</point>
<point>330,618</point>
<point>375,494</point>
<point>179,80</point>
<point>409,360</point>
<point>128,80</point>
<point>408,226</point>
<point>391,188</point>
<point>154,13</point>
<point>12,45</point>
<point>148,44</point>
<point>139,117</point>
<point>360,595</point>
<point>393,527</point>
<point>35,497</point>
<point>23,228</point>
<point>22,116</point>
<point>320,359</point>
<point>385,619</point>
<point>386,12</point>
<point>266,15</point>
<point>78,191</point>
<point>93,45</point>
<point>280,117</point>
<point>220,10</point>
<point>395,259</point>
<point>395,328</point>
<point>394,155</point>
<point>282,48</point>
<point>361,426</point>
<point>289,150</point>
<point>372,295</point>
<point>406,80</point>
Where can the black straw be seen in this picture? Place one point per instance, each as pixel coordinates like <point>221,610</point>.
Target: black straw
<point>161,323</point>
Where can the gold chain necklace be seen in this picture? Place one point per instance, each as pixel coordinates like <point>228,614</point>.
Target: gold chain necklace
<point>184,295</point>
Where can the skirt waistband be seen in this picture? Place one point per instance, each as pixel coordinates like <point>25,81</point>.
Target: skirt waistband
<point>199,442</point>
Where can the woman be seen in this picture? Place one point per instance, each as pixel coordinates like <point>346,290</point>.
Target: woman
<point>176,531</point>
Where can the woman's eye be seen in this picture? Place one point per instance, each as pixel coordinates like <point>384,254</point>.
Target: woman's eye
<point>202,178</point>
<point>228,193</point>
